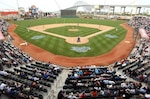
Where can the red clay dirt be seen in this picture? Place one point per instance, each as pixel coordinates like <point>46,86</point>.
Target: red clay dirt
<point>121,51</point>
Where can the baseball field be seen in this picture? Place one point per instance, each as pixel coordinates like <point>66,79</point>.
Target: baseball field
<point>59,35</point>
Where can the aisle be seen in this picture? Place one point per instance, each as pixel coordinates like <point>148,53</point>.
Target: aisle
<point>58,84</point>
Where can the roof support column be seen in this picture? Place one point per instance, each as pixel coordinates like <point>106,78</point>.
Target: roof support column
<point>138,10</point>
<point>122,13</point>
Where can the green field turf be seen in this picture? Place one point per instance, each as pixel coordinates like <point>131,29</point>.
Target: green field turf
<point>81,31</point>
<point>97,45</point>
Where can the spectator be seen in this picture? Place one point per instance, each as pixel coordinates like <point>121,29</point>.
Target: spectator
<point>2,86</point>
<point>96,71</point>
<point>94,93</point>
<point>72,96</point>
<point>3,73</point>
<point>83,95</point>
<point>61,94</point>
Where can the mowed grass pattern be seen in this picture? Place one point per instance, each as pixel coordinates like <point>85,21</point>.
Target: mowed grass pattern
<point>99,44</point>
<point>73,31</point>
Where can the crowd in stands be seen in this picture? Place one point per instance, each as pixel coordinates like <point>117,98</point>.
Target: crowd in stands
<point>12,56</point>
<point>100,82</point>
<point>140,22</point>
<point>3,27</point>
<point>140,57</point>
<point>137,64</point>
<point>32,78</point>
<point>22,77</point>
<point>27,81</point>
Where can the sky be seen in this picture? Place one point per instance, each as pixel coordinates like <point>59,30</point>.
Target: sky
<point>55,5</point>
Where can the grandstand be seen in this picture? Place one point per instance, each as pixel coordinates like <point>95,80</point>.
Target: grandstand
<point>24,77</point>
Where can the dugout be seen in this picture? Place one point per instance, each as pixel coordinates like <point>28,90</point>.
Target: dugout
<point>68,13</point>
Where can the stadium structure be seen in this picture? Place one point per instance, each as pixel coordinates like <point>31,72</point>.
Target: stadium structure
<point>24,75</point>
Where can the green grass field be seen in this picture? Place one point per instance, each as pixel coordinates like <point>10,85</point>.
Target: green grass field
<point>81,31</point>
<point>98,45</point>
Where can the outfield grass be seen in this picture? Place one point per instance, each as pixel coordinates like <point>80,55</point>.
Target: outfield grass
<point>81,31</point>
<point>99,44</point>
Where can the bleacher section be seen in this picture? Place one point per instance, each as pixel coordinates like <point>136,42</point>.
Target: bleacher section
<point>107,84</point>
<point>22,77</point>
<point>137,65</point>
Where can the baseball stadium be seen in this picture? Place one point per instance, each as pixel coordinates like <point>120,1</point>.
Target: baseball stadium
<point>99,52</point>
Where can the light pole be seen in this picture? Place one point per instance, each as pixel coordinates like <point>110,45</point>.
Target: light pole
<point>17,4</point>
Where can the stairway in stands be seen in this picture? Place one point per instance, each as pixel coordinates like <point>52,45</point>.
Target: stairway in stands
<point>58,84</point>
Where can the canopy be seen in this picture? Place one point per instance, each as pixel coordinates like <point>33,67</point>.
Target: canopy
<point>1,36</point>
<point>143,33</point>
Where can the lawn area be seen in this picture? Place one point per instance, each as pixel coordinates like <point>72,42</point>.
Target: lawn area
<point>73,31</point>
<point>97,45</point>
